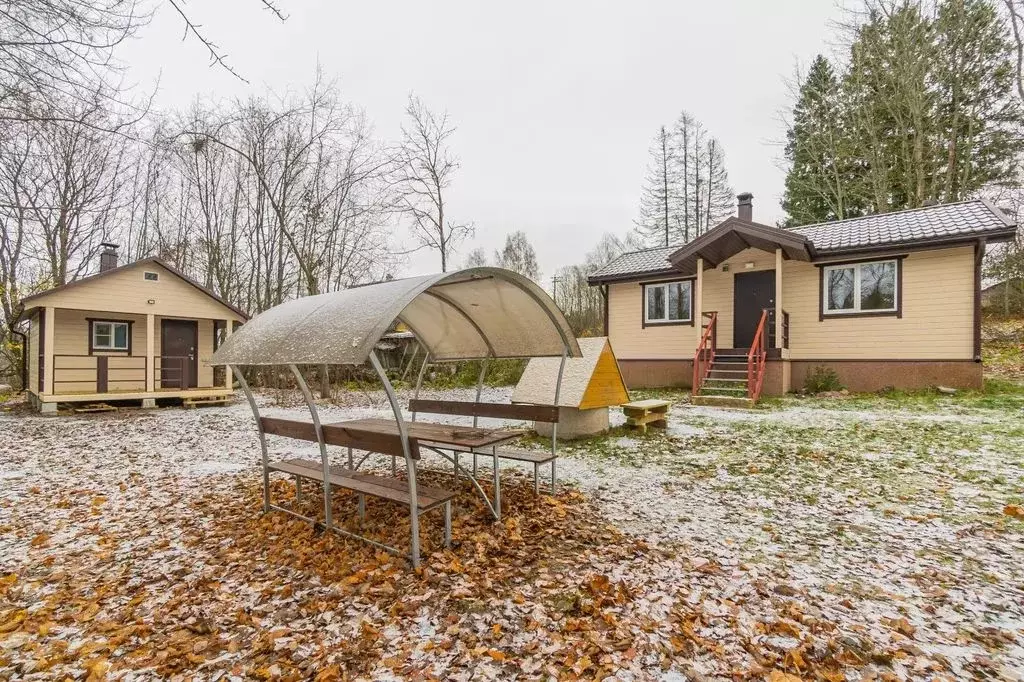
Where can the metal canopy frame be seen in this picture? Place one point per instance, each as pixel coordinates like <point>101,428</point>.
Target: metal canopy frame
<point>569,347</point>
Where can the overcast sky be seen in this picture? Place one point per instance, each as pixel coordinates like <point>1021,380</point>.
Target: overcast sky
<point>556,102</point>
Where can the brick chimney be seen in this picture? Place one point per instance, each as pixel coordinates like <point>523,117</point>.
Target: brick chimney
<point>108,257</point>
<point>745,207</point>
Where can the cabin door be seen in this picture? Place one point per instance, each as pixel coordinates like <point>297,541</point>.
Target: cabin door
<point>752,293</point>
<point>179,361</point>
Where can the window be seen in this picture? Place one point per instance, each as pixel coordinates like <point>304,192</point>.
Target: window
<point>667,303</point>
<point>151,276</point>
<point>110,335</point>
<point>861,288</point>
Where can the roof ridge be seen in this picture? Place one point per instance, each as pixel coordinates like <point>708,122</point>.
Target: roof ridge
<point>891,213</point>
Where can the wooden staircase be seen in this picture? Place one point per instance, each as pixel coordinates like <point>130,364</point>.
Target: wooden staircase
<point>730,377</point>
<point>726,383</point>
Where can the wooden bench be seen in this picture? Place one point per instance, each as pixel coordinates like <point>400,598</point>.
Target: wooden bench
<point>362,484</point>
<point>208,400</point>
<point>643,413</point>
<point>539,413</point>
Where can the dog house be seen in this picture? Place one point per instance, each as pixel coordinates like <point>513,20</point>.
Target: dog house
<point>590,385</point>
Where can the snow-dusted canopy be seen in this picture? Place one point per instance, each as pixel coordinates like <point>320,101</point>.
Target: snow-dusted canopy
<point>469,314</point>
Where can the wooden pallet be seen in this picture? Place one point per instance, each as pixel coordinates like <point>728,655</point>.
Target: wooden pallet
<point>643,413</point>
<point>94,407</point>
<point>212,400</point>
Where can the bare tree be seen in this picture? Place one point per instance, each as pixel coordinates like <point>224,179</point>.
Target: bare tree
<point>425,171</point>
<point>475,259</point>
<point>518,255</point>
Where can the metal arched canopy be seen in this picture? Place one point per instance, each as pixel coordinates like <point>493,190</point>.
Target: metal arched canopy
<point>464,315</point>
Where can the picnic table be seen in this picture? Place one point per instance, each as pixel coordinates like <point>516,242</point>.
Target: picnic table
<point>435,436</point>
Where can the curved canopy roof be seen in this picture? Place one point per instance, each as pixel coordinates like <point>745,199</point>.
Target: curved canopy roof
<point>469,314</point>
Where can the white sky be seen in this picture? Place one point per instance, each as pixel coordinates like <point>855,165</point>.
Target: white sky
<point>556,103</point>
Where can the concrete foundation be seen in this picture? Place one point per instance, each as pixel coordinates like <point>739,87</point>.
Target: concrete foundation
<point>576,423</point>
<point>149,402</point>
<point>48,408</point>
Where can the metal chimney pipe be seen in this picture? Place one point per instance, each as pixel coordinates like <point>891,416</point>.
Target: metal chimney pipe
<point>108,257</point>
<point>745,206</point>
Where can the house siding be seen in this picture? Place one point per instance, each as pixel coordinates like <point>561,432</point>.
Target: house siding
<point>129,292</point>
<point>126,373</point>
<point>937,321</point>
<point>632,341</point>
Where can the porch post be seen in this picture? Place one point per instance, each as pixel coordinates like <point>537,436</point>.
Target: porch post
<point>698,298</point>
<point>49,331</point>
<point>229,327</point>
<point>150,346</point>
<point>778,298</point>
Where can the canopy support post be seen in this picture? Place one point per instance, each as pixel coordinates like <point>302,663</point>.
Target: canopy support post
<point>410,464</point>
<point>320,440</point>
<point>554,427</point>
<point>259,429</point>
<point>480,385</point>
<point>419,379</point>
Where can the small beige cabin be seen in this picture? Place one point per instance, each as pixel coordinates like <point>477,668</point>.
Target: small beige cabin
<point>137,332</point>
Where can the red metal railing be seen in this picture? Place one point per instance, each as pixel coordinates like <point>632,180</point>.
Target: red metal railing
<point>757,359</point>
<point>704,358</point>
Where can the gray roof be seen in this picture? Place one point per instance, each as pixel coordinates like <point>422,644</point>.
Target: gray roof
<point>637,262</point>
<point>929,225</point>
<point>962,219</point>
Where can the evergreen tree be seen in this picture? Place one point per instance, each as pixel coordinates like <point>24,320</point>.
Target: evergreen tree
<point>819,149</point>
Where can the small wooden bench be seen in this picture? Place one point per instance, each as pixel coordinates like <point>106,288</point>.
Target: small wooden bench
<point>208,400</point>
<point>540,413</point>
<point>643,413</point>
<point>393,489</point>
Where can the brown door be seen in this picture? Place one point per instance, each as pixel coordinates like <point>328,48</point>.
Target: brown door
<point>179,362</point>
<point>752,293</point>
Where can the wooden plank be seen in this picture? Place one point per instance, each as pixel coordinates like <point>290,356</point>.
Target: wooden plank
<point>466,436</point>
<point>367,484</point>
<point>606,386</point>
<point>98,407</point>
<point>370,440</point>
<point>648,404</point>
<point>538,413</point>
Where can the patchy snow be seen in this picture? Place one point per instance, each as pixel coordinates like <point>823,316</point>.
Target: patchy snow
<point>868,540</point>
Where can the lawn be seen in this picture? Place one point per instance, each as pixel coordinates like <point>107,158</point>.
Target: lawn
<point>865,537</point>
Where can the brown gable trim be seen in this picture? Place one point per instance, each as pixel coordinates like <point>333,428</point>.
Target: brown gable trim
<point>152,259</point>
<point>744,231</point>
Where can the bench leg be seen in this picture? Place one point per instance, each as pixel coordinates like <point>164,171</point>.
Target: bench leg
<point>362,508</point>
<point>394,466</point>
<point>553,476</point>
<point>447,524</point>
<point>298,489</point>
<point>455,456</point>
<point>536,485</point>
<point>497,483</point>
<point>350,458</point>
<point>474,465</point>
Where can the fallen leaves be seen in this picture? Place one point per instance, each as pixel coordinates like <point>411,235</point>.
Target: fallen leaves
<point>1014,510</point>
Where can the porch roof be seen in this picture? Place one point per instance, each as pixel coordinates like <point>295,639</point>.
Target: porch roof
<point>733,236</point>
<point>469,314</point>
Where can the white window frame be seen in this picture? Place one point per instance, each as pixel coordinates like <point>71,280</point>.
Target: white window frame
<point>113,335</point>
<point>667,320</point>
<point>856,309</point>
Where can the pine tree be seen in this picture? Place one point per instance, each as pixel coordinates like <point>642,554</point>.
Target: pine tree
<point>818,149</point>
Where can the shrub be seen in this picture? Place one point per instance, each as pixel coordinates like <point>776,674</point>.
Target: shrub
<point>822,379</point>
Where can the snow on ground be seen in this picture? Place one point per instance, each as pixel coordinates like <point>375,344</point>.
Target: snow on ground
<point>817,539</point>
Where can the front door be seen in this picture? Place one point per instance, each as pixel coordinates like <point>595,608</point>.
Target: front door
<point>752,293</point>
<point>179,366</point>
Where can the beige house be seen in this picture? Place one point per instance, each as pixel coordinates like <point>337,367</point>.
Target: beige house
<point>745,308</point>
<point>138,332</point>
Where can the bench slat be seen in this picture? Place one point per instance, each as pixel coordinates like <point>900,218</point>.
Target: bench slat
<point>370,441</point>
<point>368,484</point>
<point>537,413</point>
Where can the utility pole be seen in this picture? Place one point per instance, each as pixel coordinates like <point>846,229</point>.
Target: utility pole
<point>554,288</point>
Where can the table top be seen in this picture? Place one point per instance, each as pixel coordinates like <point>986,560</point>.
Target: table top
<point>465,436</point>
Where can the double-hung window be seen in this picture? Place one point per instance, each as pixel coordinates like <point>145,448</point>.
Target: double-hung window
<point>668,302</point>
<point>861,288</point>
<point>109,335</point>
